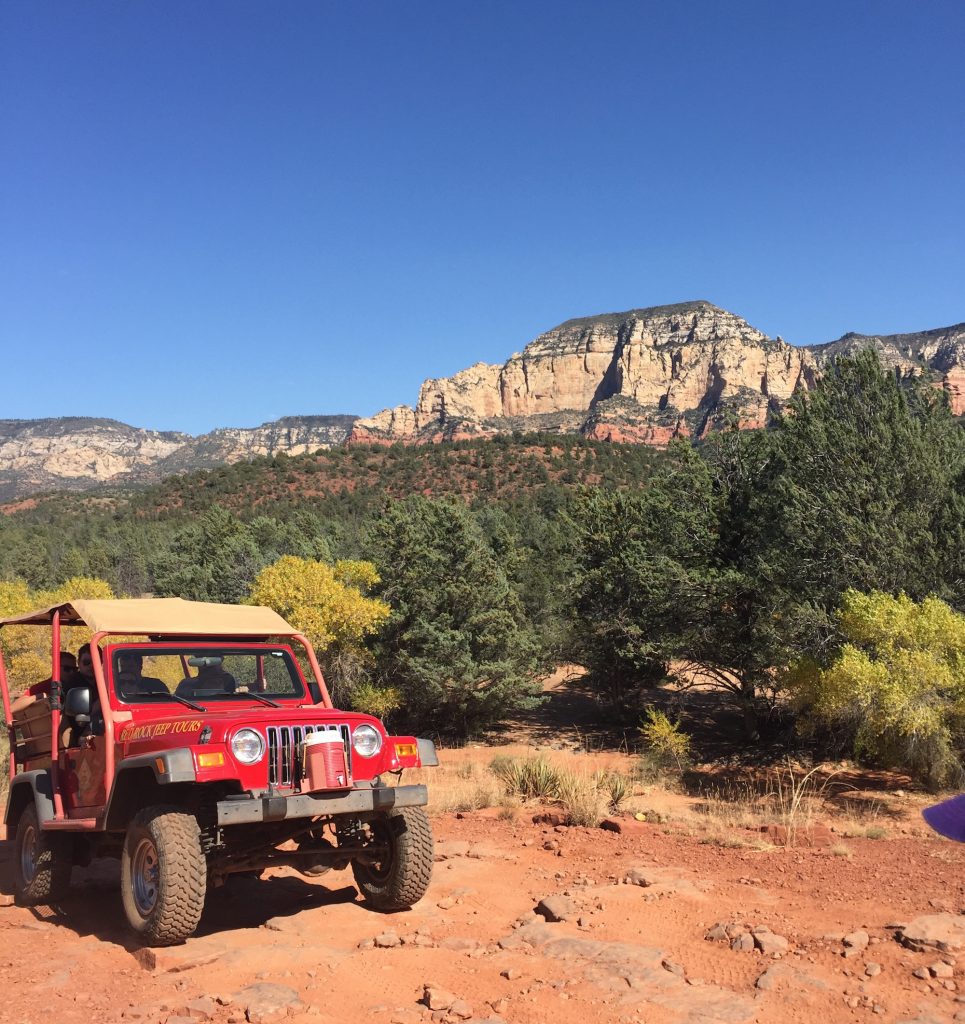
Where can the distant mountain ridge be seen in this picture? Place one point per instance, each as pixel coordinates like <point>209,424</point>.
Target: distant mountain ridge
<point>77,452</point>
<point>645,376</point>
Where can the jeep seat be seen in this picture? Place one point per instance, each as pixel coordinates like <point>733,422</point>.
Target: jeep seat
<point>206,686</point>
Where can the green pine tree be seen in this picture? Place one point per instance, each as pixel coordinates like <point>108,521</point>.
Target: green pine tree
<point>457,645</point>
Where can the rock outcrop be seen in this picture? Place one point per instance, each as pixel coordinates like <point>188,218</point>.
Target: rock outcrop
<point>76,452</point>
<point>648,375</point>
<point>293,435</point>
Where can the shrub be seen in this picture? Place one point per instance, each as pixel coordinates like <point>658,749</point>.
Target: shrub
<point>667,749</point>
<point>371,699</point>
<point>896,687</point>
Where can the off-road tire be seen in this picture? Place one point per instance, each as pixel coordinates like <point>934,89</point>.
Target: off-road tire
<point>42,862</point>
<point>163,875</point>
<point>401,881</point>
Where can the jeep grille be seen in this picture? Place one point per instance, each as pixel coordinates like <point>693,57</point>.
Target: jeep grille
<point>285,751</point>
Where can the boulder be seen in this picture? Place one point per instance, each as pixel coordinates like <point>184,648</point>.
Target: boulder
<point>437,998</point>
<point>202,1008</point>
<point>265,1002</point>
<point>626,826</point>
<point>856,942</point>
<point>769,943</point>
<point>557,908</point>
<point>944,932</point>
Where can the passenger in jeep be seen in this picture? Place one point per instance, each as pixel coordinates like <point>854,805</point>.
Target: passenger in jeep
<point>85,670</point>
<point>68,672</point>
<point>131,681</point>
<point>72,734</point>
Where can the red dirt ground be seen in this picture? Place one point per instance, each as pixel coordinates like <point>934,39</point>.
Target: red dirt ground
<point>627,953</point>
<point>75,962</point>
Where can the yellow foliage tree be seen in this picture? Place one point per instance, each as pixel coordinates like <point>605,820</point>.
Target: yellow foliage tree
<point>328,604</point>
<point>898,684</point>
<point>26,649</point>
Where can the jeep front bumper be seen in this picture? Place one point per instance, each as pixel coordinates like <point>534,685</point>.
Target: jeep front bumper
<point>247,810</point>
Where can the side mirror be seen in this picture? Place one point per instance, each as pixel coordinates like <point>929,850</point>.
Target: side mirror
<point>77,705</point>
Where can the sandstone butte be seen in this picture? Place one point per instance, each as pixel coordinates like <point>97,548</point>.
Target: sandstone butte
<point>649,375</point>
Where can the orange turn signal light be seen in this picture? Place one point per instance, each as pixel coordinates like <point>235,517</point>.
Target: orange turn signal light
<point>213,760</point>
<point>406,750</point>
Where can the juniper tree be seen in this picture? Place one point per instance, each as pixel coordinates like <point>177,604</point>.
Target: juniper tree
<point>864,492</point>
<point>456,645</point>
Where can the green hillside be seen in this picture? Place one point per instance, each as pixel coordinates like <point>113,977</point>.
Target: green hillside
<point>124,536</point>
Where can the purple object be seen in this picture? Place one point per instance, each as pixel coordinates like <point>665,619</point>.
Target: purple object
<point>948,818</point>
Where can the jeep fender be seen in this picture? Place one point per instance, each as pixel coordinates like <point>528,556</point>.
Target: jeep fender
<point>167,766</point>
<point>26,787</point>
<point>428,757</point>
<point>139,781</point>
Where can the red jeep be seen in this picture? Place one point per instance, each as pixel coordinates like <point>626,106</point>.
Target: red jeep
<point>204,745</point>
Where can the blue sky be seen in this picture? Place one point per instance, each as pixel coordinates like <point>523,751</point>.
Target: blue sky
<point>215,214</point>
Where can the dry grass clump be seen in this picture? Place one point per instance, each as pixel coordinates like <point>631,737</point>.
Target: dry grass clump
<point>463,795</point>
<point>584,800</point>
<point>863,820</point>
<point>585,797</point>
<point>531,778</point>
<point>617,787</point>
<point>797,798</point>
<point>858,829</point>
<point>791,798</point>
<point>456,787</point>
<point>734,805</point>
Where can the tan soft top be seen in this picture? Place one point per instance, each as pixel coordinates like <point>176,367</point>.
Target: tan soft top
<point>162,616</point>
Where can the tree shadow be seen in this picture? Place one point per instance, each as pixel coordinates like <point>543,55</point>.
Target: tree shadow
<point>570,715</point>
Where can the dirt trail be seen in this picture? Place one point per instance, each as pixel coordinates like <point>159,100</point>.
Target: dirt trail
<point>628,952</point>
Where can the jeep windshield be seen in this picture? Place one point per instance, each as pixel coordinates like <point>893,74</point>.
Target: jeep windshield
<point>204,675</point>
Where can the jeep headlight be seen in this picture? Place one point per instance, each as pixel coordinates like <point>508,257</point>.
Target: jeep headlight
<point>247,746</point>
<point>367,740</point>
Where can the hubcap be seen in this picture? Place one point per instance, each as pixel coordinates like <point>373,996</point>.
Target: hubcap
<point>28,854</point>
<point>145,875</point>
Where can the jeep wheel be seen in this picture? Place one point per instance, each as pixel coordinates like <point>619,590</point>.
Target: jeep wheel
<point>400,876</point>
<point>42,861</point>
<point>163,875</point>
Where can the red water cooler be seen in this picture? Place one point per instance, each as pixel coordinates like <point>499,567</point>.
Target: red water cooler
<point>325,765</point>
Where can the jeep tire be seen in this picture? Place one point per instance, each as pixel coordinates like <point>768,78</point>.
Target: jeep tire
<point>163,875</point>
<point>401,878</point>
<point>42,861</point>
